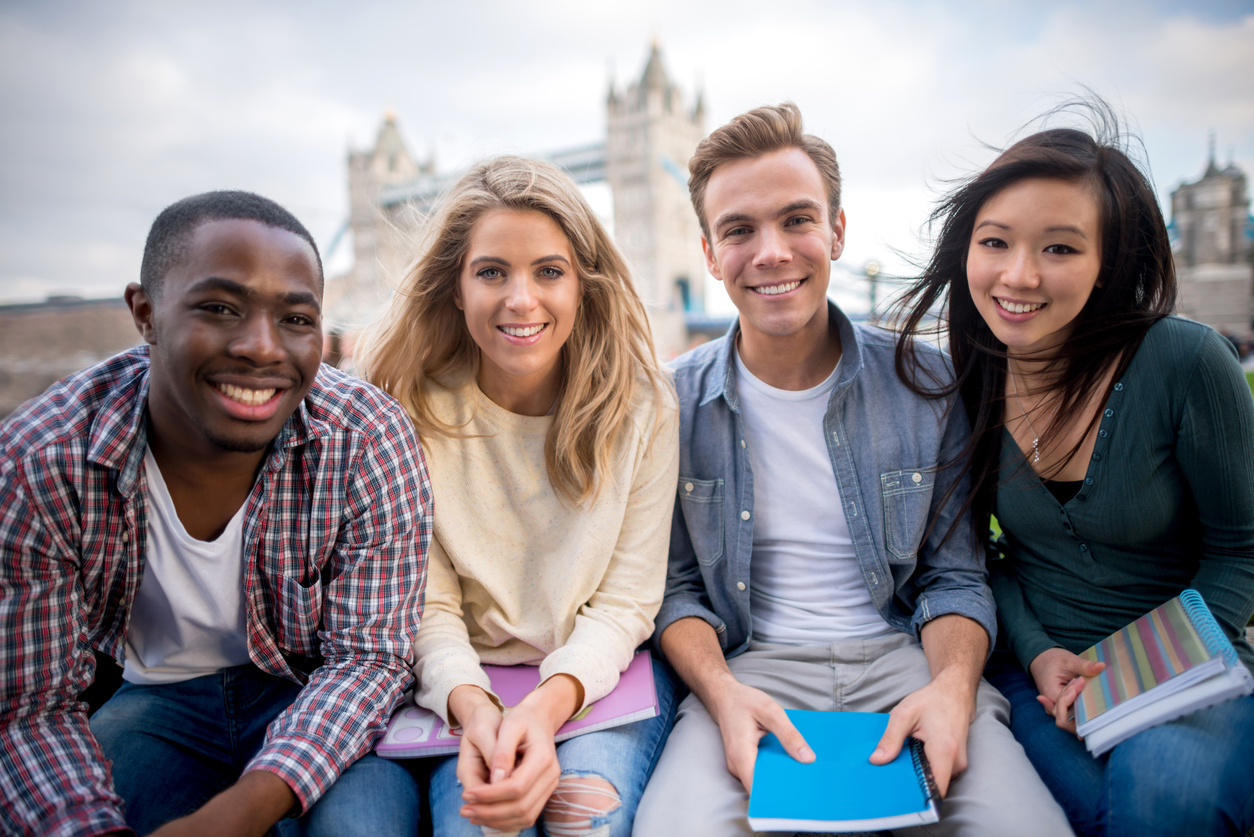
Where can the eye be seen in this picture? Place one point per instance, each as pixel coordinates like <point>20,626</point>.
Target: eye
<point>797,220</point>
<point>993,242</point>
<point>1060,249</point>
<point>736,231</point>
<point>216,308</point>
<point>551,272</point>
<point>299,320</point>
<point>490,273</point>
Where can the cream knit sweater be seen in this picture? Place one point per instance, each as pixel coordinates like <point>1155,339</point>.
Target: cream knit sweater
<point>518,574</point>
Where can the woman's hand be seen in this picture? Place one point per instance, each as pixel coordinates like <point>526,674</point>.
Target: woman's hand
<point>508,765</point>
<point>1060,677</point>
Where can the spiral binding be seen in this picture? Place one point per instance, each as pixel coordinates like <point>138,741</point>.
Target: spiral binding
<point>1207,628</point>
<point>923,769</point>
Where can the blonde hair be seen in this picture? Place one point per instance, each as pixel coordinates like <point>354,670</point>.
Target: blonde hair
<point>754,134</point>
<point>422,338</point>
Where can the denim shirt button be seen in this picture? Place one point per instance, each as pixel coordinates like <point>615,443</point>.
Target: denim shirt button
<point>744,515</point>
<point>688,487</point>
<point>742,443</point>
<point>740,585</point>
<point>916,478</point>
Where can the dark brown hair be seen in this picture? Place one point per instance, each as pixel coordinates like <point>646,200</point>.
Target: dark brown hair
<point>753,134</point>
<point>1136,286</point>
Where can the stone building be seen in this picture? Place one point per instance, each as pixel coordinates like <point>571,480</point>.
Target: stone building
<point>650,134</point>
<point>1211,223</point>
<point>42,342</point>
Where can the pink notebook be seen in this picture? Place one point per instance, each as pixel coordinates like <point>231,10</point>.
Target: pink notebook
<point>415,732</point>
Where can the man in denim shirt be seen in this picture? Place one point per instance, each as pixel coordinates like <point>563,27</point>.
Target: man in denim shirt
<point>803,451</point>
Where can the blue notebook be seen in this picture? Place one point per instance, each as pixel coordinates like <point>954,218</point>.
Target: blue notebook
<point>841,790</point>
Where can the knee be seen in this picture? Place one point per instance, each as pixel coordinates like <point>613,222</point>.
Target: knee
<point>580,805</point>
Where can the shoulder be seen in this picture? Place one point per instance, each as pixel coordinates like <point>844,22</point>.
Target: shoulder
<point>1175,349</point>
<point>70,409</point>
<point>344,404</point>
<point>879,345</point>
<point>693,371</point>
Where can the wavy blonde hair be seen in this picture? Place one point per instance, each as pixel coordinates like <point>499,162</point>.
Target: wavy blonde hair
<point>422,337</point>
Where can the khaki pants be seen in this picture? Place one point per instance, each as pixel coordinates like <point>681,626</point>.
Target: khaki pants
<point>691,794</point>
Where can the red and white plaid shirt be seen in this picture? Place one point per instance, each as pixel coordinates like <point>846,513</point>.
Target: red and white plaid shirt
<point>335,539</point>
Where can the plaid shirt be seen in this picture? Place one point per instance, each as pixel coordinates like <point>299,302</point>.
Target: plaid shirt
<point>335,539</point>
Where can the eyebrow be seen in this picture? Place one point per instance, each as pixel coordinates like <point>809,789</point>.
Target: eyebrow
<point>556,257</point>
<point>230,286</point>
<point>795,206</point>
<point>1058,228</point>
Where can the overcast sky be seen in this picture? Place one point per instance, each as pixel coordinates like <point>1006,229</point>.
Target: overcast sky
<point>111,111</point>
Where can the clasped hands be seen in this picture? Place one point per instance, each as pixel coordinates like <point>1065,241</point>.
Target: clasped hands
<point>939,715</point>
<point>507,763</point>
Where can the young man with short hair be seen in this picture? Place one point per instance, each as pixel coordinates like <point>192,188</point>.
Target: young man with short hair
<point>818,556</point>
<point>242,528</point>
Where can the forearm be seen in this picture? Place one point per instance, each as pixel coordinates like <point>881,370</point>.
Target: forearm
<point>691,647</point>
<point>956,648</point>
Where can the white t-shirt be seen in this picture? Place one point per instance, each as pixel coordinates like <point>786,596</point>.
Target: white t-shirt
<point>188,618</point>
<point>805,584</point>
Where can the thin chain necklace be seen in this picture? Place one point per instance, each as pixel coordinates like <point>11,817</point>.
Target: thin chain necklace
<point>1036,438</point>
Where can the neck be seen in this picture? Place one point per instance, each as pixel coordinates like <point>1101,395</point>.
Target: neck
<point>193,462</point>
<point>795,361</point>
<point>531,395</point>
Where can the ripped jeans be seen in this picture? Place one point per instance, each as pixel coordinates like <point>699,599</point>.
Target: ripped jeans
<point>622,756</point>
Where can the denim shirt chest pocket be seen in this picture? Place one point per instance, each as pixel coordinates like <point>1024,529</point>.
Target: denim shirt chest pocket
<point>907,499</point>
<point>702,505</point>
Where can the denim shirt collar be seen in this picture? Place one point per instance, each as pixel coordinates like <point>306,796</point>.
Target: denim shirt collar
<point>725,385</point>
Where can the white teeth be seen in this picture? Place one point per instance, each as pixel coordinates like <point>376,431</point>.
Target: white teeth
<point>772,290</point>
<point>1019,307</point>
<point>522,332</point>
<point>251,397</point>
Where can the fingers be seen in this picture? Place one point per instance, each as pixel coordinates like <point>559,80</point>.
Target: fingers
<point>775,719</point>
<point>1091,668</point>
<point>901,723</point>
<point>505,755</point>
<point>1068,697</point>
<point>518,801</point>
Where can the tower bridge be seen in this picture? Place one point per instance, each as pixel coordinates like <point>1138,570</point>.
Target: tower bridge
<point>650,135</point>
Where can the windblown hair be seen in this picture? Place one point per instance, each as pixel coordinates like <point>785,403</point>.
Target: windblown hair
<point>1136,286</point>
<point>422,339</point>
<point>753,134</point>
<point>171,232</point>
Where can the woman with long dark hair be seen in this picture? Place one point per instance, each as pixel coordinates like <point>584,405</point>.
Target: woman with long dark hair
<point>1114,444</point>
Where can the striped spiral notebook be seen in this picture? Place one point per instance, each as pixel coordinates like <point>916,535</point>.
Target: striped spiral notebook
<point>1171,661</point>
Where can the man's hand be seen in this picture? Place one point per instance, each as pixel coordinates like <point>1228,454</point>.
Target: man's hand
<point>745,714</point>
<point>940,713</point>
<point>1060,677</point>
<point>246,809</point>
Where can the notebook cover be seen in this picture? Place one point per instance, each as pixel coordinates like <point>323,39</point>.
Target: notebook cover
<point>1161,646</point>
<point>415,732</point>
<point>841,786</point>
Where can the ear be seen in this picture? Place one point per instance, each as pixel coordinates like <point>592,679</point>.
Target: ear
<point>457,294</point>
<point>711,262</point>
<point>142,312</point>
<point>838,235</point>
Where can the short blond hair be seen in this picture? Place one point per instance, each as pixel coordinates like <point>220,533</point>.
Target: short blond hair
<point>422,338</point>
<point>753,134</point>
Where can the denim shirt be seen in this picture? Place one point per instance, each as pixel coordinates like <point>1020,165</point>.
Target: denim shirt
<point>888,447</point>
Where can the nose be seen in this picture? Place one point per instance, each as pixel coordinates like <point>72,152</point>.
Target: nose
<point>258,341</point>
<point>520,295</point>
<point>1022,270</point>
<point>772,248</point>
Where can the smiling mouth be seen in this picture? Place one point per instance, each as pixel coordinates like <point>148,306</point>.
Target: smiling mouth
<point>1019,307</point>
<point>246,396</point>
<point>523,331</point>
<point>775,290</point>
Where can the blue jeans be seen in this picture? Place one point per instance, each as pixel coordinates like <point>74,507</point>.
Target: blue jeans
<point>624,756</point>
<point>174,746</point>
<point>1193,776</point>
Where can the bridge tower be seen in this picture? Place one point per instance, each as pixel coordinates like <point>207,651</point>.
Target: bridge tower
<point>650,135</point>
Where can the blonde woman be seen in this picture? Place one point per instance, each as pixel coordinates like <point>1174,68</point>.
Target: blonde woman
<point>523,354</point>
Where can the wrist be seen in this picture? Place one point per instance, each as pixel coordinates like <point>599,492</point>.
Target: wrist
<point>464,701</point>
<point>556,700</point>
<point>718,692</point>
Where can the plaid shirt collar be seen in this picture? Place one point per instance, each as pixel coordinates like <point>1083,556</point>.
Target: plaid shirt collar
<point>119,435</point>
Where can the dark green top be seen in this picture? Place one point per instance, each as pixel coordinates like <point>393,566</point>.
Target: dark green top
<point>1167,503</point>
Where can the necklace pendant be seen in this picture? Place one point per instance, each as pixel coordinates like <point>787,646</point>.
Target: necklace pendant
<point>1036,452</point>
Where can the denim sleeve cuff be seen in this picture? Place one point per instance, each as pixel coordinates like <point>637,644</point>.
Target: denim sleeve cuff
<point>675,608</point>
<point>968,603</point>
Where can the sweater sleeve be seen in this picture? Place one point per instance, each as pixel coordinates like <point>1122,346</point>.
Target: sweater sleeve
<point>1023,631</point>
<point>445,659</point>
<point>1215,452</point>
<point>619,615</point>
